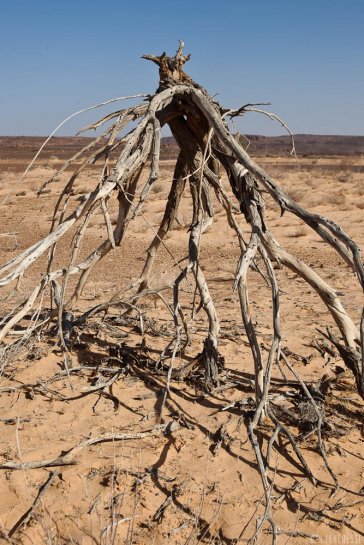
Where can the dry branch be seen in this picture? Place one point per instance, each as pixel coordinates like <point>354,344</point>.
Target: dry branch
<point>70,457</point>
<point>199,126</point>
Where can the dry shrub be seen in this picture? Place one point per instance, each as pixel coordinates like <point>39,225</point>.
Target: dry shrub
<point>83,183</point>
<point>300,231</point>
<point>297,184</point>
<point>304,176</point>
<point>322,173</point>
<point>158,187</point>
<point>343,177</point>
<point>335,198</point>
<point>80,189</point>
<point>40,173</point>
<point>294,194</point>
<point>348,177</point>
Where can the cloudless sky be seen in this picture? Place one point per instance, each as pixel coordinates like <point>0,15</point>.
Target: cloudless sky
<point>306,57</point>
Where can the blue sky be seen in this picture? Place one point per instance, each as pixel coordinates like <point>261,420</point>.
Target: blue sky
<point>305,57</point>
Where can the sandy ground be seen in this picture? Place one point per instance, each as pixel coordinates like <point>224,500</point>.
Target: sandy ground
<point>179,485</point>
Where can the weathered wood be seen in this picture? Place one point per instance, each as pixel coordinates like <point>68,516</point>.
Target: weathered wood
<point>199,126</point>
<point>171,68</point>
<point>173,201</point>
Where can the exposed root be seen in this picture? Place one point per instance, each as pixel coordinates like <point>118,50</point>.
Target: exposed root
<point>199,127</point>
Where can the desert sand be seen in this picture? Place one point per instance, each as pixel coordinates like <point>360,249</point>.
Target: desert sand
<point>196,480</point>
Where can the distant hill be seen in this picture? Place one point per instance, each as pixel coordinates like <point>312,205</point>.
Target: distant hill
<point>21,147</point>
<point>306,144</point>
<point>12,147</point>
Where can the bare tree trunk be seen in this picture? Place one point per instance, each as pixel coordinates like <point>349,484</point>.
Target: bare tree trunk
<point>201,132</point>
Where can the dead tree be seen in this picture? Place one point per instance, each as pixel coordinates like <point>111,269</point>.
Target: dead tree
<point>199,126</point>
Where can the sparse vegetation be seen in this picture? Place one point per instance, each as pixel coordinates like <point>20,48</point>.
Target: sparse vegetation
<point>300,231</point>
<point>158,188</point>
<point>192,403</point>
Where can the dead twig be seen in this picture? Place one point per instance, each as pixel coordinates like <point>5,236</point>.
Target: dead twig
<point>27,516</point>
<point>70,457</point>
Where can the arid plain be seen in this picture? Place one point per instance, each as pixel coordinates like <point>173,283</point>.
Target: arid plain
<point>194,483</point>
